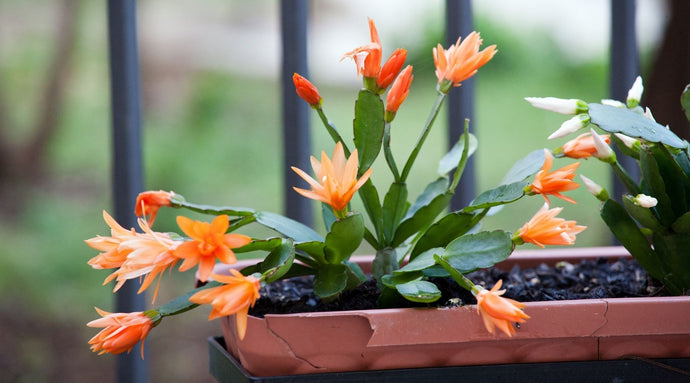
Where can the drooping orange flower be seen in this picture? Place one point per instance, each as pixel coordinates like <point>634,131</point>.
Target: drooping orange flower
<point>582,146</point>
<point>237,294</point>
<point>122,331</point>
<point>208,243</point>
<point>460,61</point>
<point>399,90</point>
<point>133,254</point>
<point>545,229</point>
<point>337,179</point>
<point>367,58</point>
<point>306,90</point>
<point>561,180</point>
<point>390,69</point>
<point>149,202</point>
<point>497,311</point>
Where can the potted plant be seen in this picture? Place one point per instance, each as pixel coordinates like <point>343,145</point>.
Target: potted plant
<point>416,243</point>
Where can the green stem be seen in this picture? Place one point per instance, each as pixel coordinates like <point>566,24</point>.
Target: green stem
<point>625,178</point>
<point>427,128</point>
<point>387,151</point>
<point>463,159</point>
<point>332,131</point>
<point>457,276</point>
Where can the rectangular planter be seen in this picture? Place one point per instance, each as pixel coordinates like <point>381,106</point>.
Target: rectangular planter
<point>392,339</point>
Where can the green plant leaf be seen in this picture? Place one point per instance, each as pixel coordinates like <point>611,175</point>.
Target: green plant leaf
<point>632,124</point>
<point>421,262</point>
<point>643,215</point>
<point>260,245</point>
<point>654,185</point>
<point>314,249</point>
<point>327,215</point>
<point>423,212</point>
<point>355,275</point>
<point>372,205</point>
<point>445,230</point>
<point>672,250</point>
<point>330,280</point>
<point>344,238</point>
<point>477,251</point>
<point>395,206</point>
<point>682,224</point>
<point>500,195</point>
<point>419,291</point>
<point>390,280</point>
<point>629,235</point>
<point>685,101</point>
<point>452,158</point>
<point>181,303</point>
<point>178,201</point>
<point>524,167</point>
<point>675,179</point>
<point>287,227</point>
<point>385,262</point>
<point>278,261</point>
<point>368,128</point>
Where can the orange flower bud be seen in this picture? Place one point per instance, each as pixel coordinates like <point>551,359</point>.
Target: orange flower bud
<point>149,202</point>
<point>122,331</point>
<point>391,68</point>
<point>398,92</point>
<point>306,90</point>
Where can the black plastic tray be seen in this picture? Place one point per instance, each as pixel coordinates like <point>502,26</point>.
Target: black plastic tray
<point>225,369</point>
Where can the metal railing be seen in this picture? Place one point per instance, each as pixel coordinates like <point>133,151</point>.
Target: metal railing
<point>126,115</point>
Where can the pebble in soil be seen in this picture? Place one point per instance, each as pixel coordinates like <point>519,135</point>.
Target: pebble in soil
<point>586,280</point>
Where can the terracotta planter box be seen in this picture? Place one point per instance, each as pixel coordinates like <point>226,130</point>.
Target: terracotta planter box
<point>577,330</point>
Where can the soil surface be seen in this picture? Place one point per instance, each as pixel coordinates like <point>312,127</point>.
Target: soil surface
<point>586,280</point>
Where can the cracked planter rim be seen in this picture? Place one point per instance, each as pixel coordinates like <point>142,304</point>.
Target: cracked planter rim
<point>575,330</point>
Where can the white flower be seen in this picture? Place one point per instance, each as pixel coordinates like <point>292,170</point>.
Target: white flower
<point>571,126</point>
<point>627,141</point>
<point>594,188</point>
<point>644,200</point>
<point>614,103</point>
<point>558,105</point>
<point>604,151</point>
<point>635,93</point>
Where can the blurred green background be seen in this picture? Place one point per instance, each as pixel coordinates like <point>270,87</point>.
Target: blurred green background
<point>211,132</point>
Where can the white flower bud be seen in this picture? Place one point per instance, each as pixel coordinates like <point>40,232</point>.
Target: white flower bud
<point>614,103</point>
<point>604,151</point>
<point>635,93</point>
<point>559,105</point>
<point>645,200</point>
<point>627,141</point>
<point>594,188</point>
<point>571,126</point>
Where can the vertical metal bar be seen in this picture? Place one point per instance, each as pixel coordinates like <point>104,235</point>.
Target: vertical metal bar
<point>296,136</point>
<point>127,173</point>
<point>460,101</point>
<point>623,69</point>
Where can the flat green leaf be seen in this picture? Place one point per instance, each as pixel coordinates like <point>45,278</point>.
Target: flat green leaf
<point>390,280</point>
<point>314,249</point>
<point>355,275</point>
<point>372,205</point>
<point>477,251</point>
<point>368,128</point>
<point>395,206</point>
<point>524,167</point>
<point>421,262</point>
<point>672,252</point>
<point>675,179</point>
<point>278,261</point>
<point>682,224</point>
<point>500,195</point>
<point>654,185</point>
<point>260,245</point>
<point>287,227</point>
<point>445,230</point>
<point>632,124</point>
<point>432,190</point>
<point>629,235</point>
<point>643,215</point>
<point>344,238</point>
<point>327,215</point>
<point>452,158</point>
<point>419,291</point>
<point>181,304</point>
<point>178,201</point>
<point>685,101</point>
<point>422,218</point>
<point>330,280</point>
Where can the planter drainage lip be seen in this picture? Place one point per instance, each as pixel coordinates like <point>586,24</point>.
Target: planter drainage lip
<point>225,369</point>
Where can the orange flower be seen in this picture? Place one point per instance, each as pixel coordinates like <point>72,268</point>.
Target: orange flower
<point>209,242</point>
<point>497,311</point>
<point>337,180</point>
<point>555,182</point>
<point>135,254</point>
<point>236,296</point>
<point>150,201</point>
<point>399,91</point>
<point>121,332</point>
<point>391,68</point>
<point>461,61</point>
<point>545,229</point>
<point>582,146</point>
<point>306,90</point>
<point>367,58</point>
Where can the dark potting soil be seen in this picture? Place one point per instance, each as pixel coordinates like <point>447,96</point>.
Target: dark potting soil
<point>586,280</point>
